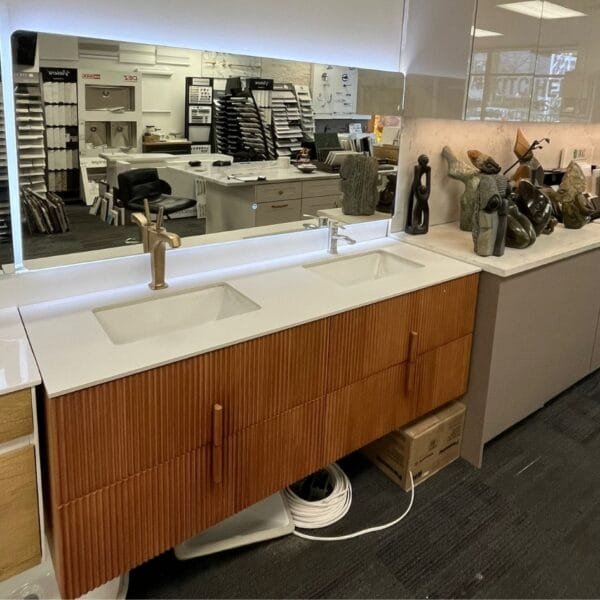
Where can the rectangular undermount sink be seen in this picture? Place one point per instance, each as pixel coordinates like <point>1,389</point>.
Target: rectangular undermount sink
<point>353,270</point>
<point>151,317</point>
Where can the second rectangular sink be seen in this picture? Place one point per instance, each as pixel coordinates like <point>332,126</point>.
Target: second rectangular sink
<point>353,270</point>
<point>151,317</point>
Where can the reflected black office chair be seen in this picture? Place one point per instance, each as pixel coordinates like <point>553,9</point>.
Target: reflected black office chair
<point>138,184</point>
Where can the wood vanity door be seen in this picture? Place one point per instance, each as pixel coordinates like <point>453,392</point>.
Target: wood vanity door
<point>442,375</point>
<point>447,312</point>
<point>366,410</point>
<point>269,456</point>
<point>105,433</point>
<point>19,518</point>
<point>367,340</point>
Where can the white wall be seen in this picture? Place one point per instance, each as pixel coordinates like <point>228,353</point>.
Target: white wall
<point>346,32</point>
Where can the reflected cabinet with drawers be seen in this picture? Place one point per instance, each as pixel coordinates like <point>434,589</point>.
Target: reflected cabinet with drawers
<point>240,207</point>
<point>139,464</point>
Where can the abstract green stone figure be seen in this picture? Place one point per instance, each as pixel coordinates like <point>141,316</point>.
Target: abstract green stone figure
<point>490,219</point>
<point>469,176</point>
<point>569,201</point>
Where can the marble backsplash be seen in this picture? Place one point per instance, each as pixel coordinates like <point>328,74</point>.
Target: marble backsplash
<point>429,136</point>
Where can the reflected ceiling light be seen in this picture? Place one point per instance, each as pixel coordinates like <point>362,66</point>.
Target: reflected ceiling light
<point>542,9</point>
<point>476,32</point>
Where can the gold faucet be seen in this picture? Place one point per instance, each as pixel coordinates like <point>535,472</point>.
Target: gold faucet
<point>144,223</point>
<point>158,238</point>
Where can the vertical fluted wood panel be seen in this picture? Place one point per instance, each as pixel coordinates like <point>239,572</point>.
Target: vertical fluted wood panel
<point>111,431</point>
<point>366,410</point>
<point>113,529</point>
<point>370,339</point>
<point>443,374</point>
<point>447,312</point>
<point>266,457</point>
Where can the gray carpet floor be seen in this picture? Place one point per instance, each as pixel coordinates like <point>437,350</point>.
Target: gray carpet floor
<point>527,525</point>
<point>88,232</point>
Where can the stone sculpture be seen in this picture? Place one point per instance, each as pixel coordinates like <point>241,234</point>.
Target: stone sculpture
<point>490,219</point>
<point>520,233</point>
<point>417,220</point>
<point>536,206</point>
<point>483,162</point>
<point>359,175</point>
<point>530,167</point>
<point>469,176</point>
<point>387,196</point>
<point>569,201</point>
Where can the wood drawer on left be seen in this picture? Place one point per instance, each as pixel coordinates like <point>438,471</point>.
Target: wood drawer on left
<point>19,518</point>
<point>16,418</point>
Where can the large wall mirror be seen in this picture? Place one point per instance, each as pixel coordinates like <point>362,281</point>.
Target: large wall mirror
<point>6,248</point>
<point>101,125</point>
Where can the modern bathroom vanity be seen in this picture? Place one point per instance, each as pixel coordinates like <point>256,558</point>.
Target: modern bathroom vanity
<point>153,436</point>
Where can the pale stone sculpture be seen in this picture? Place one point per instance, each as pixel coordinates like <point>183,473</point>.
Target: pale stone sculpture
<point>469,176</point>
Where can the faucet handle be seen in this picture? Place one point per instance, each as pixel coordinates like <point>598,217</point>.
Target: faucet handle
<point>321,220</point>
<point>160,218</point>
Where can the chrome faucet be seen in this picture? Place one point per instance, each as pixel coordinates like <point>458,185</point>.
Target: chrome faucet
<point>320,224</point>
<point>158,239</point>
<point>334,237</point>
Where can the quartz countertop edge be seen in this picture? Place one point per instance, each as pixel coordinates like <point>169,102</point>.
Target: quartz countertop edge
<point>18,369</point>
<point>66,332</point>
<point>450,241</point>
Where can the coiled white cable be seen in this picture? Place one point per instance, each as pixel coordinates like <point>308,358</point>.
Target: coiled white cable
<point>314,515</point>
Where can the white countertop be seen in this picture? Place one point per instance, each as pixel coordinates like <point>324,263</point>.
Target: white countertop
<point>73,350</point>
<point>18,369</point>
<point>450,241</point>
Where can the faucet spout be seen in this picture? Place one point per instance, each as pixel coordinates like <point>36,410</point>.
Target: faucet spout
<point>334,237</point>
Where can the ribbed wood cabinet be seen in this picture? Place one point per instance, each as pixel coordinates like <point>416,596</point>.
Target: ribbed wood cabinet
<point>140,464</point>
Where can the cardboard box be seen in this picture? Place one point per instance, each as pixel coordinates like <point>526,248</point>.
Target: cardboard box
<point>151,138</point>
<point>424,446</point>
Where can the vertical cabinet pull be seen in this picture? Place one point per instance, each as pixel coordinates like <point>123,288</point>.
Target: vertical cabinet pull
<point>412,361</point>
<point>217,453</point>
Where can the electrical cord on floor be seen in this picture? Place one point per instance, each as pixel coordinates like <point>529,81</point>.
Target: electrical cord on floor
<point>314,515</point>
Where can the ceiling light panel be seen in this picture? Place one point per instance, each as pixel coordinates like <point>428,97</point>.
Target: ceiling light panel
<point>542,10</point>
<point>481,33</point>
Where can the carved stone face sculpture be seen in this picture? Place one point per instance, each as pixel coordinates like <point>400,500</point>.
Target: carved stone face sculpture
<point>534,205</point>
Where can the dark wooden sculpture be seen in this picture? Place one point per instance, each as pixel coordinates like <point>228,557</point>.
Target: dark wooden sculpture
<point>417,220</point>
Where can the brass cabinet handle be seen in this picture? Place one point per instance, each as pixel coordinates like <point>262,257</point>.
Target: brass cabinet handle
<point>217,453</point>
<point>412,361</point>
<point>279,205</point>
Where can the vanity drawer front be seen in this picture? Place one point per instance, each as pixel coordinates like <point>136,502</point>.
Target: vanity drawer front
<point>310,206</point>
<point>19,519</point>
<point>447,312</point>
<point>280,211</point>
<point>370,339</point>
<point>442,375</point>
<point>277,191</point>
<point>321,187</point>
<point>365,411</point>
<point>16,418</point>
<point>101,435</point>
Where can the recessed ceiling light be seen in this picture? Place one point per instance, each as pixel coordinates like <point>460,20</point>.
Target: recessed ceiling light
<point>542,9</point>
<point>476,32</point>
